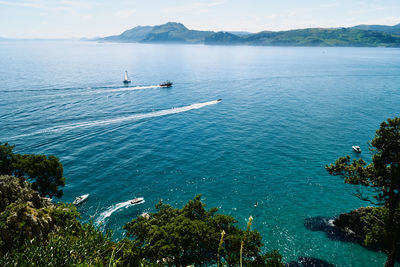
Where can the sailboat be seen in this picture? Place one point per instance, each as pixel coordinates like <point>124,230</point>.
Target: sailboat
<point>126,80</point>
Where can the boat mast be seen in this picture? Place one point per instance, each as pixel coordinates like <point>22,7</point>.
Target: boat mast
<point>126,75</point>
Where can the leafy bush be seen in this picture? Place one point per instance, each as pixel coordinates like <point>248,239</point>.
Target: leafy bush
<point>191,235</point>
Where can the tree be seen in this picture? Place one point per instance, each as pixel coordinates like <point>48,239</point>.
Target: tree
<point>382,176</point>
<point>45,173</point>
<point>6,154</point>
<point>192,235</point>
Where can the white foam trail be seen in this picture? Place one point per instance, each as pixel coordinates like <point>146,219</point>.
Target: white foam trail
<point>122,89</point>
<point>128,89</point>
<point>107,213</point>
<point>121,119</point>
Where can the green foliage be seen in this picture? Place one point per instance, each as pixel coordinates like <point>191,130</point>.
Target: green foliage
<point>192,235</point>
<point>36,232</point>
<point>50,235</point>
<point>375,226</point>
<point>383,173</point>
<point>383,176</point>
<point>269,259</point>
<point>45,173</point>
<point>20,222</point>
<point>88,247</point>
<point>6,154</point>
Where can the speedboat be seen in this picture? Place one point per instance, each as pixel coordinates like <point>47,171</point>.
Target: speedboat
<point>219,100</point>
<point>356,149</point>
<point>80,199</point>
<point>126,80</point>
<point>137,200</point>
<point>166,84</point>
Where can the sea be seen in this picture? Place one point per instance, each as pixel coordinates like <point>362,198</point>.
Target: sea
<point>286,112</point>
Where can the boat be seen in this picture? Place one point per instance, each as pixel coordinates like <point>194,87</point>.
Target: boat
<point>126,80</point>
<point>166,84</point>
<point>137,200</point>
<point>80,199</point>
<point>356,149</point>
<point>219,100</point>
<point>145,215</point>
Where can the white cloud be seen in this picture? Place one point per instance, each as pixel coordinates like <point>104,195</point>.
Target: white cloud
<point>21,4</point>
<point>70,6</point>
<point>125,13</point>
<point>201,6</point>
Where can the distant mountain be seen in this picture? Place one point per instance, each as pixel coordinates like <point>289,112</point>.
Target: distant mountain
<point>380,28</point>
<point>136,34</point>
<point>172,32</point>
<point>310,37</point>
<point>239,33</point>
<point>223,38</point>
<point>177,33</point>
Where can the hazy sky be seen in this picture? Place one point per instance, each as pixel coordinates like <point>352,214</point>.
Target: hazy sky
<point>89,18</point>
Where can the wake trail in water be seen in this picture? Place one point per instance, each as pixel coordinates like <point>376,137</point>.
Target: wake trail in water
<point>93,92</point>
<point>107,213</point>
<point>160,113</point>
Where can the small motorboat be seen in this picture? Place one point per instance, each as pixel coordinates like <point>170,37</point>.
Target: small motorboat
<point>166,84</point>
<point>80,199</point>
<point>137,200</point>
<point>126,80</point>
<point>219,100</point>
<point>356,149</point>
<point>145,215</point>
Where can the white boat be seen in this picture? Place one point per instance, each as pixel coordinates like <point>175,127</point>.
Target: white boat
<point>126,80</point>
<point>356,149</point>
<point>80,199</point>
<point>145,215</point>
<point>137,200</point>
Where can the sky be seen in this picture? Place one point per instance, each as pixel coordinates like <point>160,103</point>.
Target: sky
<point>90,18</point>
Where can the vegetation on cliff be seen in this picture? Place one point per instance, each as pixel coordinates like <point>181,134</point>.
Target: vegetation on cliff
<point>45,173</point>
<point>34,231</point>
<point>191,235</point>
<point>382,176</point>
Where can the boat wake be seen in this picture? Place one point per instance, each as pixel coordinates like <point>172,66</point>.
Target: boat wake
<point>122,89</point>
<point>107,213</point>
<point>159,113</point>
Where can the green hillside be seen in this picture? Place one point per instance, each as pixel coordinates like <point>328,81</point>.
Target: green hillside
<point>324,37</point>
<point>380,28</point>
<point>172,32</point>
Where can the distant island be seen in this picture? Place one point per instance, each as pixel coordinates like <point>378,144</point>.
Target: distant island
<point>172,32</point>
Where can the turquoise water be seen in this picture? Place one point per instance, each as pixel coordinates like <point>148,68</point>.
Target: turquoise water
<point>285,113</point>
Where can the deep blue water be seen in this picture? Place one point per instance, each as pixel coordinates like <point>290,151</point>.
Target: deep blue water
<point>285,113</point>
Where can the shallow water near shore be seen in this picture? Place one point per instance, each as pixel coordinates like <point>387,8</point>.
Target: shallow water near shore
<point>285,113</point>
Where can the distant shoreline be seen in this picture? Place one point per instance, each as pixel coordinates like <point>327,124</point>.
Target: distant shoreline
<point>172,32</point>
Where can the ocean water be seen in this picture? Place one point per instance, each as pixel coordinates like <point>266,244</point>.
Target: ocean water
<point>285,113</point>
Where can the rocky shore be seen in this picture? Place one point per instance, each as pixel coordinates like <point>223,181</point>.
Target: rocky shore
<point>351,223</point>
